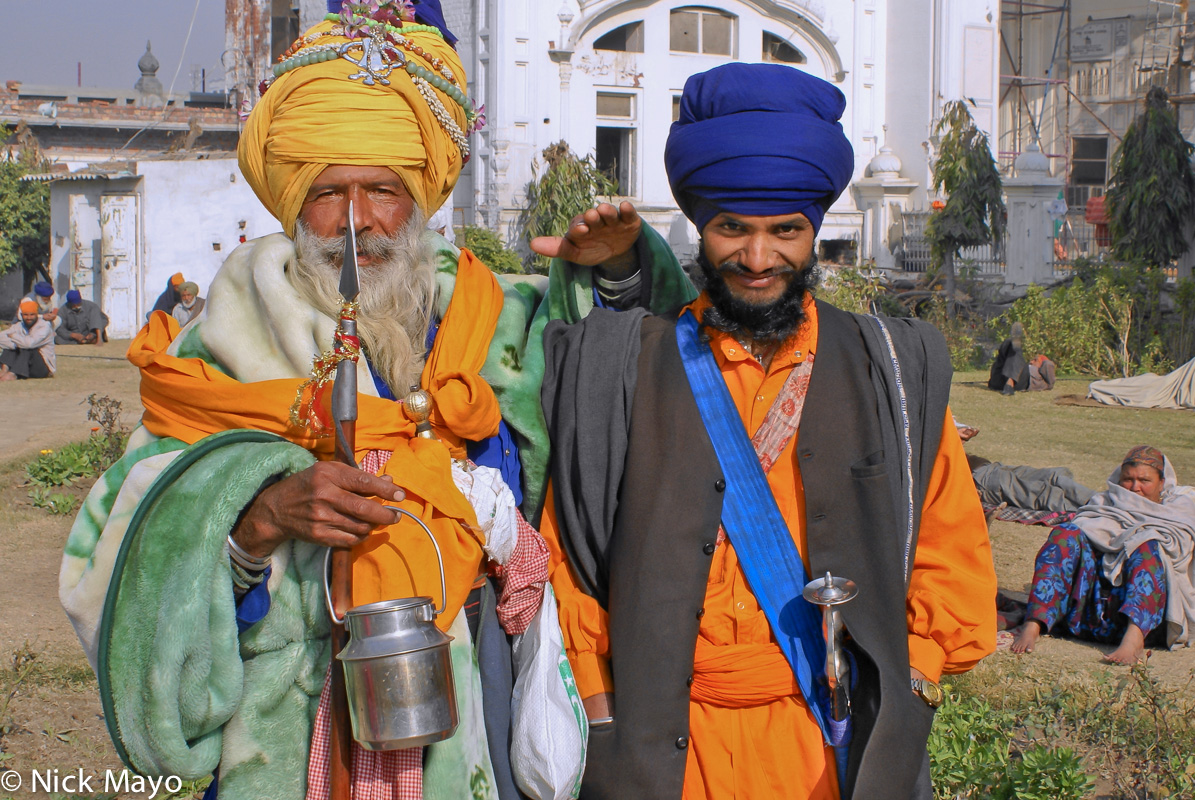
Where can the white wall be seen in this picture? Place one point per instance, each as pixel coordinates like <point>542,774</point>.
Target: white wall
<point>191,213</point>
<point>896,61</point>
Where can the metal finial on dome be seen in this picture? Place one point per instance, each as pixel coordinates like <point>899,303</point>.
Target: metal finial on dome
<point>148,63</point>
<point>885,163</point>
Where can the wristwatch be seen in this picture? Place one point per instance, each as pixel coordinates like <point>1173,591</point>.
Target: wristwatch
<point>928,691</point>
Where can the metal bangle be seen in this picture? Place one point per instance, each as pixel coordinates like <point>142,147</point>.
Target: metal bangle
<point>597,722</point>
<point>246,561</point>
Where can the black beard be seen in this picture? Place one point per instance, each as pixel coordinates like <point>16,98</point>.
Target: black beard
<point>773,322</point>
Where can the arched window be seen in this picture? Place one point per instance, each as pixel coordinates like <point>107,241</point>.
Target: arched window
<point>626,39</point>
<point>702,30</point>
<point>777,50</point>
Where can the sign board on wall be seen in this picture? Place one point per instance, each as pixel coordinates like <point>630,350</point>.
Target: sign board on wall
<point>1099,39</point>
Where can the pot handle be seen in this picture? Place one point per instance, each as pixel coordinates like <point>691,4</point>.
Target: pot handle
<point>439,560</point>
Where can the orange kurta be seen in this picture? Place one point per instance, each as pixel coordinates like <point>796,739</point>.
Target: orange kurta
<point>751,734</point>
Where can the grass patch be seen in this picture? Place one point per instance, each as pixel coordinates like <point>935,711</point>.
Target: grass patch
<point>77,462</point>
<point>1003,734</point>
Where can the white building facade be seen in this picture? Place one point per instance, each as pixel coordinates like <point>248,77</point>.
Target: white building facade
<point>606,76</point>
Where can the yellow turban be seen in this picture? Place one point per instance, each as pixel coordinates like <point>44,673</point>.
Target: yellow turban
<point>314,116</point>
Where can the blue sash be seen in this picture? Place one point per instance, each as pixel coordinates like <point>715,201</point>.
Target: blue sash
<point>752,519</point>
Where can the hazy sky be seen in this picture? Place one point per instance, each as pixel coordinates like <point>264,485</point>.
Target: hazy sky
<point>45,40</point>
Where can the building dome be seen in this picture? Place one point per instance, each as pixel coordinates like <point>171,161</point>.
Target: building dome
<point>885,164</point>
<point>1031,160</point>
<point>148,86</point>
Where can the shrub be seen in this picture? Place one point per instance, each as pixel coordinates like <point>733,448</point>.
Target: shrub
<point>566,187</point>
<point>972,754</point>
<point>78,460</point>
<point>487,246</point>
<point>1083,329</point>
<point>962,334</point>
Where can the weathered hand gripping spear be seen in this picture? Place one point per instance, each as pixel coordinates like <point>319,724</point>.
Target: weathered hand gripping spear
<point>344,423</point>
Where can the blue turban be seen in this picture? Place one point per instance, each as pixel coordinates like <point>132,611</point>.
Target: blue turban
<point>43,289</point>
<point>758,139</point>
<point>73,297</point>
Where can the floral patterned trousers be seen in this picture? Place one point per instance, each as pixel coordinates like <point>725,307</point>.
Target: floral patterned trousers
<point>1071,594</point>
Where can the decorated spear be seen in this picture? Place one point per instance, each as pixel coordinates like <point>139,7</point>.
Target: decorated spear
<point>344,423</point>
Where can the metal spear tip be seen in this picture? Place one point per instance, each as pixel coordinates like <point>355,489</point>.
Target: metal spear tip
<point>350,283</point>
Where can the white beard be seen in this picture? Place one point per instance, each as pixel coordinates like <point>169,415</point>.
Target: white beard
<point>396,298</point>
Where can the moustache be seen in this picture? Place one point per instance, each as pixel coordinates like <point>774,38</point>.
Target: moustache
<point>376,246</point>
<point>735,268</point>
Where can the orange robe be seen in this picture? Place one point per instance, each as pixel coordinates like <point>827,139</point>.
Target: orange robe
<point>751,734</point>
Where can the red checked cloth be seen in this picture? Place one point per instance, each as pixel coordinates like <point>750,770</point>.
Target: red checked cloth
<point>522,578</point>
<point>388,775</point>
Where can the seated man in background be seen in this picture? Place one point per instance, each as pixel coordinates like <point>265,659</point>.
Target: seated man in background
<point>189,303</point>
<point>43,296</point>
<point>168,299</point>
<point>82,321</point>
<point>1041,373</point>
<point>1010,371</point>
<point>27,348</point>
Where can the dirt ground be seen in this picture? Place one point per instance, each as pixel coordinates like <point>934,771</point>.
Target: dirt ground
<point>53,718</point>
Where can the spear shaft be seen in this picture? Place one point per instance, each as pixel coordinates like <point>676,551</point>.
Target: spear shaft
<point>344,423</point>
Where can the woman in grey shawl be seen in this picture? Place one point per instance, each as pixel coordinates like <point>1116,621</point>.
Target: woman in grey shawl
<point>1123,568</point>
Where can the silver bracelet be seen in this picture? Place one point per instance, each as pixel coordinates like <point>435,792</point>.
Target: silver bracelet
<point>597,722</point>
<point>243,559</point>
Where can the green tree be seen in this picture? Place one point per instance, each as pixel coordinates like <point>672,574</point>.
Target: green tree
<point>486,245</point>
<point>24,211</point>
<point>966,172</point>
<point>1151,196</point>
<point>568,186</point>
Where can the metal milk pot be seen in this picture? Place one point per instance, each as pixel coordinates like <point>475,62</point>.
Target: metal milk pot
<point>397,669</point>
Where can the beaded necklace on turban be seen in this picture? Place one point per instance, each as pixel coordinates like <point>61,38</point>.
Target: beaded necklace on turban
<point>369,86</point>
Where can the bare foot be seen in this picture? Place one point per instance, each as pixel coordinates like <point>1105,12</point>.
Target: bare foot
<point>8,376</point>
<point>1027,638</point>
<point>1131,650</point>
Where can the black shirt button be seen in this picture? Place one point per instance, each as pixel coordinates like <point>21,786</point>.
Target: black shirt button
<point>719,485</point>
<point>709,548</point>
<point>682,743</point>
<point>700,613</point>
<point>689,681</point>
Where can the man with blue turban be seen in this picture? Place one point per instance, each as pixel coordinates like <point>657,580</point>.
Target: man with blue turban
<point>710,462</point>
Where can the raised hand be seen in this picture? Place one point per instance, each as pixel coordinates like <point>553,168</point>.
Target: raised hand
<point>600,235</point>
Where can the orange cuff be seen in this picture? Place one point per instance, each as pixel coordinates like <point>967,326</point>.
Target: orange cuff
<point>927,656</point>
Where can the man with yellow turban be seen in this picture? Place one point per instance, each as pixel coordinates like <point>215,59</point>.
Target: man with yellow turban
<point>194,573</point>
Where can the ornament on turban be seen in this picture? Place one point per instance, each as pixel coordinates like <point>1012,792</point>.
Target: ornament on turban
<point>367,87</point>
<point>28,307</point>
<point>760,140</point>
<point>74,297</point>
<point>43,289</point>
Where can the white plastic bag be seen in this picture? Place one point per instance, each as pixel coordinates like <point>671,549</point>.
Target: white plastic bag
<point>549,729</point>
